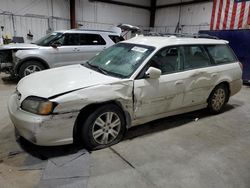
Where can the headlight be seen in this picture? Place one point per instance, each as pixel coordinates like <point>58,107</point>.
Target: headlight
<point>38,105</point>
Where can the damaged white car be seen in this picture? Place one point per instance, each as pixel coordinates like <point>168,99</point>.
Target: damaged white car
<point>130,83</point>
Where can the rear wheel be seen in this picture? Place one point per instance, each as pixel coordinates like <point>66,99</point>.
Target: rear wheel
<point>30,67</point>
<point>103,128</point>
<point>218,98</point>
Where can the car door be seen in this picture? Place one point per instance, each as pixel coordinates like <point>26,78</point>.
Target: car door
<point>90,45</point>
<point>68,52</point>
<point>158,96</point>
<point>200,76</point>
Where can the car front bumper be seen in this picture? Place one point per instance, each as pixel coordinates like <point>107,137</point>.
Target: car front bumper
<point>48,130</point>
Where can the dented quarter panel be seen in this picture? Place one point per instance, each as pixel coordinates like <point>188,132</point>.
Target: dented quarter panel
<point>199,87</point>
<point>120,91</point>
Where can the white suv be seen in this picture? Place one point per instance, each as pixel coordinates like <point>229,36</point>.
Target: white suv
<point>130,83</point>
<point>56,49</point>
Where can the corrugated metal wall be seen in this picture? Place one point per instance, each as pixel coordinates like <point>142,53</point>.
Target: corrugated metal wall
<point>21,16</point>
<point>19,25</point>
<point>37,16</point>
<point>192,17</point>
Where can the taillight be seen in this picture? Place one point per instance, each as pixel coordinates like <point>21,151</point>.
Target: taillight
<point>241,66</point>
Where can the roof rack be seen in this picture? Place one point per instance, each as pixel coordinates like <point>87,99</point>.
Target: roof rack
<point>98,30</point>
<point>185,35</point>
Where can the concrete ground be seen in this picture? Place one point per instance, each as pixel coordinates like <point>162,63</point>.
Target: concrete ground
<point>193,150</point>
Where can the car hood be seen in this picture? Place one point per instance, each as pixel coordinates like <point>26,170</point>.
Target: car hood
<point>61,80</point>
<point>18,46</point>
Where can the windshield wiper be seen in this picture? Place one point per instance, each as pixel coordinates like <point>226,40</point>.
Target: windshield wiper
<point>103,70</point>
<point>98,68</point>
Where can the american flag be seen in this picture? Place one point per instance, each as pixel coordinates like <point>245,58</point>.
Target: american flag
<point>230,14</point>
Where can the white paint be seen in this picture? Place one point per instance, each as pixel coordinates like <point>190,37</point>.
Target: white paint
<point>192,17</point>
<point>143,99</point>
<point>65,79</point>
<point>160,42</point>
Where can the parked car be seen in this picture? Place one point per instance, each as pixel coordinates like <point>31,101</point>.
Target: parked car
<point>130,83</point>
<point>56,49</point>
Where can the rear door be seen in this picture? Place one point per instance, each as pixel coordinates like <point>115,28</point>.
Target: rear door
<point>90,45</point>
<point>200,75</point>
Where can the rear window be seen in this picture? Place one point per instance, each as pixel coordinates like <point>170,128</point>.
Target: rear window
<point>116,38</point>
<point>221,54</point>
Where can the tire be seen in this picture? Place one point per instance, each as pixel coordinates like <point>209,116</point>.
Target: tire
<point>218,99</point>
<point>97,131</point>
<point>30,67</point>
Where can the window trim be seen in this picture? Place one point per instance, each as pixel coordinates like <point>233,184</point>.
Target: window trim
<point>79,35</point>
<point>205,50</point>
<point>105,43</point>
<point>141,74</point>
<point>119,36</point>
<point>228,47</point>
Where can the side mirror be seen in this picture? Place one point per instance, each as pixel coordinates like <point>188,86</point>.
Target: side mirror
<point>153,73</point>
<point>55,44</point>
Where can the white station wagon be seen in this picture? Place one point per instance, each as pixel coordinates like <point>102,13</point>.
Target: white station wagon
<point>130,83</point>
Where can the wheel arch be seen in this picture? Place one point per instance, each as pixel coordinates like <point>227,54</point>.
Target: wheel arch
<point>18,66</point>
<point>225,83</point>
<point>87,110</point>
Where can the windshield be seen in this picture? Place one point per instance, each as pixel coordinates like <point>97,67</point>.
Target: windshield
<point>48,39</point>
<point>121,60</point>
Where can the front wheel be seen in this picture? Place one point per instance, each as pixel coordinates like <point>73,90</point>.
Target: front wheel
<point>103,128</point>
<point>30,67</point>
<point>218,98</point>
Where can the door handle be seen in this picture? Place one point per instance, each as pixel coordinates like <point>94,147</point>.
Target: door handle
<point>76,50</point>
<point>179,82</point>
<point>214,75</point>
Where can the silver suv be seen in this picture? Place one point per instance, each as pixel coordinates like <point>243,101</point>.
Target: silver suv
<point>56,49</point>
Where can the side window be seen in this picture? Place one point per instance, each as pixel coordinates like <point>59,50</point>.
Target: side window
<point>91,39</point>
<point>195,57</point>
<point>59,40</point>
<point>116,38</point>
<point>221,54</point>
<point>71,39</point>
<point>168,60</point>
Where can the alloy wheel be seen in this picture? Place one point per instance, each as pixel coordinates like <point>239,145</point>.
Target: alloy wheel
<point>218,99</point>
<point>106,128</point>
<point>31,69</point>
